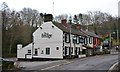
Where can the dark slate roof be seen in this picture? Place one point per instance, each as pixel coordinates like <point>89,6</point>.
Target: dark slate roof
<point>67,29</point>
<point>90,34</point>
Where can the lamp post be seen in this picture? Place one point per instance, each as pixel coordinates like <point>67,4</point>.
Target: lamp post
<point>70,22</point>
<point>70,41</point>
<point>116,35</point>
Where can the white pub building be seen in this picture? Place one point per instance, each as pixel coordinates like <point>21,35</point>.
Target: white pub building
<point>55,41</point>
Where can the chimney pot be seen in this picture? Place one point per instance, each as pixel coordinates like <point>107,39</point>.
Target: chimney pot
<point>48,17</point>
<point>63,21</point>
<point>78,26</point>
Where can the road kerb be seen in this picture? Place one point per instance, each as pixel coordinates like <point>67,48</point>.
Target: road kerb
<point>111,68</point>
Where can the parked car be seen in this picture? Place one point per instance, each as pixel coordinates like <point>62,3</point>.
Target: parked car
<point>5,59</point>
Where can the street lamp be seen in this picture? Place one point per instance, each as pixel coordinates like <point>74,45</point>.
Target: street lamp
<point>70,22</point>
<point>116,35</point>
<point>71,41</point>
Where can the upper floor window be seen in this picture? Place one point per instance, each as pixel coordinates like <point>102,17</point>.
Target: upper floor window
<point>85,40</point>
<point>74,39</point>
<point>67,38</point>
<point>77,39</point>
<point>81,39</point>
<point>90,40</point>
<point>29,51</point>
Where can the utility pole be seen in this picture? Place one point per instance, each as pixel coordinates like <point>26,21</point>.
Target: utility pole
<point>118,20</point>
<point>110,41</point>
<point>117,37</point>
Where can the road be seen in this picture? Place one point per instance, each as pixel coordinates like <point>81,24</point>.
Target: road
<point>101,62</point>
<point>90,63</point>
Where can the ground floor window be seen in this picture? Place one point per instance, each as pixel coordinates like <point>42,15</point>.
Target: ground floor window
<point>83,51</point>
<point>71,49</point>
<point>66,50</point>
<point>36,51</point>
<point>47,51</point>
<point>79,52</point>
<point>42,52</point>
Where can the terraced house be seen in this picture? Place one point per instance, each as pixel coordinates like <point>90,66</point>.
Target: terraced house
<point>56,41</point>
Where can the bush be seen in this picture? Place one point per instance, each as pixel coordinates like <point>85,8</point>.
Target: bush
<point>7,65</point>
<point>9,55</point>
<point>107,52</point>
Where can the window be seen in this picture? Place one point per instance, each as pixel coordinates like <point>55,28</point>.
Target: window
<point>81,40</point>
<point>47,51</point>
<point>52,26</point>
<point>71,50</point>
<point>29,51</point>
<point>83,51</point>
<point>77,39</point>
<point>57,48</point>
<point>40,27</point>
<point>36,52</point>
<point>79,52</point>
<point>85,41</point>
<point>90,40</point>
<point>67,38</point>
<point>42,52</point>
<point>66,50</point>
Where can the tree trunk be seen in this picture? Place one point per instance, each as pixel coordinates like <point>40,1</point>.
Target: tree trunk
<point>10,49</point>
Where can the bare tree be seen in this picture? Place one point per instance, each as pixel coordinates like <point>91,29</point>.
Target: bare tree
<point>60,17</point>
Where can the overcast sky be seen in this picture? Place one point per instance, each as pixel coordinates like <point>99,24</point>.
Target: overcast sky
<point>65,6</point>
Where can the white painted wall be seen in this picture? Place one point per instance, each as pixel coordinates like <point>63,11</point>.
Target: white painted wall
<point>56,40</point>
<point>81,56</point>
<point>21,51</point>
<point>73,46</point>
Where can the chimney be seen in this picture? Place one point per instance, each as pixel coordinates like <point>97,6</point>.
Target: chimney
<point>19,46</point>
<point>64,22</point>
<point>48,17</point>
<point>78,26</point>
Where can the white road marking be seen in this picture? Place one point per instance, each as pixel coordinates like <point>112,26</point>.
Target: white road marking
<point>111,68</point>
<point>50,67</point>
<point>56,65</point>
